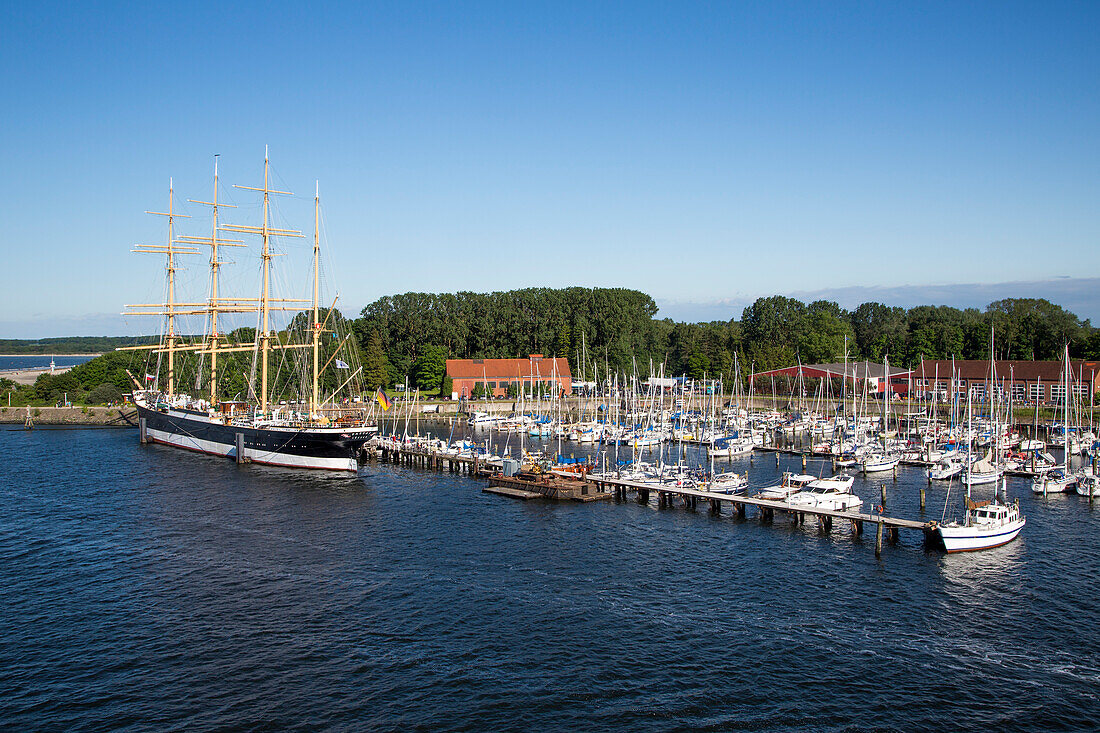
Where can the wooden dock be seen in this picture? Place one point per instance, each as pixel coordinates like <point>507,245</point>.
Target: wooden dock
<point>586,488</point>
<point>888,527</point>
<point>419,456</point>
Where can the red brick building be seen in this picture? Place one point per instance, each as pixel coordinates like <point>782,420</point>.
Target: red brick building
<point>497,375</point>
<point>870,374</point>
<point>1028,381</point>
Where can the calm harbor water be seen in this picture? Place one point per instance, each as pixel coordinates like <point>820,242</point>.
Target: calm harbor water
<point>40,361</point>
<point>147,588</point>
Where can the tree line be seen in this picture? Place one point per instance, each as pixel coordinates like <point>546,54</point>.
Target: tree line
<point>411,335</point>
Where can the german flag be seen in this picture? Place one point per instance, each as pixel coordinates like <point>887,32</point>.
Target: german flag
<point>383,400</point>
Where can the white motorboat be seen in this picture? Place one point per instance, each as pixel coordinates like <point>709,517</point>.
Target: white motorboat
<point>483,419</point>
<point>986,524</point>
<point>840,482</point>
<point>791,483</point>
<point>729,483</point>
<point>828,493</point>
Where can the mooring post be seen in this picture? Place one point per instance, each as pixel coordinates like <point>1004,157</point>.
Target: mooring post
<point>922,499</point>
<point>240,447</point>
<point>892,535</point>
<point>878,539</point>
<point>883,494</point>
<point>857,527</point>
<point>143,435</point>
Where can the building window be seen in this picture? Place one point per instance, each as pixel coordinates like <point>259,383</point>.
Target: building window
<point>1019,391</point>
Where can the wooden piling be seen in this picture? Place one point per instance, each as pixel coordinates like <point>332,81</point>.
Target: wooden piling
<point>878,539</point>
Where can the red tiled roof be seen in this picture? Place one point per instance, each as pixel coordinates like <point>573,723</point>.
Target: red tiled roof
<point>540,367</point>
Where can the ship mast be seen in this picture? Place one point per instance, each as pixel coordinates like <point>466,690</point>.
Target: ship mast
<point>316,289</point>
<point>170,250</point>
<point>266,232</point>
<point>215,266</point>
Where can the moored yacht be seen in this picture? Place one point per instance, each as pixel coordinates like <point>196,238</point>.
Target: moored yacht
<point>985,524</point>
<point>828,493</point>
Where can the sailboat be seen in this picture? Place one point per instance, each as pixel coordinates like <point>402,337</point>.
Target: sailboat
<point>985,524</point>
<point>263,429</point>
<point>877,462</point>
<point>1060,478</point>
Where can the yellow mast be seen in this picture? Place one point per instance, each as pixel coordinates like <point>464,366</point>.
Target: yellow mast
<point>313,406</point>
<point>215,266</point>
<point>171,251</point>
<point>215,304</point>
<point>266,232</point>
<point>171,298</point>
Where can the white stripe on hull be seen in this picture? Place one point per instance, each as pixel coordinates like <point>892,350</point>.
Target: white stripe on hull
<point>270,458</point>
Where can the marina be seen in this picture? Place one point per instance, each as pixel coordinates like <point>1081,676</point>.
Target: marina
<point>585,482</point>
<point>550,368</point>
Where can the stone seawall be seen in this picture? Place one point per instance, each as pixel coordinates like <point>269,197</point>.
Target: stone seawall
<point>123,417</point>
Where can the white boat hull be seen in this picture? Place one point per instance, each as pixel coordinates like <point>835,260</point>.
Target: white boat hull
<point>879,465</point>
<point>966,539</point>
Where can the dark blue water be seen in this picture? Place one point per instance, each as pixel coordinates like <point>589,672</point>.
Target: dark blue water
<point>146,588</point>
<point>40,361</point>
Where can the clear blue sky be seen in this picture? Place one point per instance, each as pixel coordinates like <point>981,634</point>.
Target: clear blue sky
<point>704,153</point>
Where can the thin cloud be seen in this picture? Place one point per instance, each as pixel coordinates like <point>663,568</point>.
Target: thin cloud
<point>1080,296</point>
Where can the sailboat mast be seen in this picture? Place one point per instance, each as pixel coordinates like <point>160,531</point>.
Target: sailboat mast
<point>316,289</point>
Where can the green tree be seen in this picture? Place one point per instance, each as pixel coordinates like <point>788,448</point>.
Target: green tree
<point>374,362</point>
<point>430,368</point>
<point>879,330</point>
<point>103,394</point>
<point>824,329</point>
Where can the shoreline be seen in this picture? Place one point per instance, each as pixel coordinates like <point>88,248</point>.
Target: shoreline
<point>49,353</point>
<point>121,417</point>
<point>29,376</point>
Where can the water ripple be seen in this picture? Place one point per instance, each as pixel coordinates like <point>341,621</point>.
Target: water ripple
<point>149,589</point>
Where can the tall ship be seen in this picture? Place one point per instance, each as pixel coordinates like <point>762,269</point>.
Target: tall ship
<point>276,397</point>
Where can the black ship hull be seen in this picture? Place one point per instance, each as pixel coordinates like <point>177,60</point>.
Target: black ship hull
<point>330,448</point>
